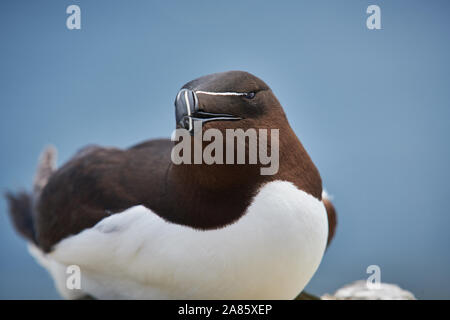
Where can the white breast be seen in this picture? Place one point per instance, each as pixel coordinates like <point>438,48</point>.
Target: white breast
<point>270,253</point>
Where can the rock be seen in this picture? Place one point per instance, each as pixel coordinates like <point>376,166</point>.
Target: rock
<point>359,290</point>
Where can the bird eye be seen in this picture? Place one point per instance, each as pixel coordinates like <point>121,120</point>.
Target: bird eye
<point>249,95</point>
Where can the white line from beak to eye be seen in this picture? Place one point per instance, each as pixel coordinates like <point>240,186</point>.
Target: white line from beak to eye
<point>188,107</point>
<point>222,93</point>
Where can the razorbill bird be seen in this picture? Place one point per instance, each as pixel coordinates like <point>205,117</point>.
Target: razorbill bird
<point>140,227</point>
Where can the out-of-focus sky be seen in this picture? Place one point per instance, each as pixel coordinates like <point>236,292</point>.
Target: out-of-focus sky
<point>372,107</point>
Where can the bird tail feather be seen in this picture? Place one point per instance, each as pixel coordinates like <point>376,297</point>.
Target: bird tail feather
<point>331,215</point>
<point>21,204</point>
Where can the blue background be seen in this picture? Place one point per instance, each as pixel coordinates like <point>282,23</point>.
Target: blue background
<point>371,107</point>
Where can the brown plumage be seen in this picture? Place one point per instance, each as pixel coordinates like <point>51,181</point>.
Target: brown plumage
<point>98,182</point>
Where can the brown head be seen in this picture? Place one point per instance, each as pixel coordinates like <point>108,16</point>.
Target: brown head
<point>239,100</point>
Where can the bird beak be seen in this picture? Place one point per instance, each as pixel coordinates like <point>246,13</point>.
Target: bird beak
<point>187,111</point>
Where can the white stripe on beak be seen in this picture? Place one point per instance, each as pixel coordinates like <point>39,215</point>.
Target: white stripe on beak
<point>188,107</point>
